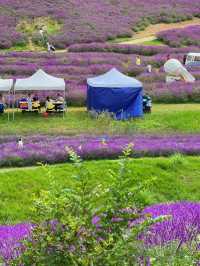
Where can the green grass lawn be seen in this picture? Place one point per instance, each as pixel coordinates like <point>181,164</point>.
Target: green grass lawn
<point>165,119</point>
<point>174,181</point>
<point>155,42</point>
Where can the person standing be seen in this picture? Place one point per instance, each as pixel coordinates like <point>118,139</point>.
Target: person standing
<point>138,60</point>
<point>184,59</point>
<point>149,68</point>
<point>50,47</point>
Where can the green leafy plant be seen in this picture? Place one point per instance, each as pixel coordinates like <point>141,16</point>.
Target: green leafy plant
<point>86,225</point>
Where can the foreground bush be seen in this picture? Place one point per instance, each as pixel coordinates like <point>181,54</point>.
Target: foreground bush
<point>87,225</point>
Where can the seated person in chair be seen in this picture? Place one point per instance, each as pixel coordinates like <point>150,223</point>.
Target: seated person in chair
<point>2,106</point>
<point>49,105</point>
<point>25,103</point>
<point>35,104</point>
<point>60,103</point>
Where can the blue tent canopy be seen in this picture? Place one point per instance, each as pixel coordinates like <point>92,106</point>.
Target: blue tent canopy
<point>116,93</point>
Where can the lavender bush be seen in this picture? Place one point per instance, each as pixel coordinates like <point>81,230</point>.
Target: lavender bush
<point>181,37</point>
<point>182,228</point>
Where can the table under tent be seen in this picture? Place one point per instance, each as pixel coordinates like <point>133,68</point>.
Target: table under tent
<point>6,87</point>
<point>40,81</point>
<point>115,93</point>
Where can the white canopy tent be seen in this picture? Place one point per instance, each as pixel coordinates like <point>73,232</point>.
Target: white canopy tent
<point>114,79</point>
<point>6,86</point>
<point>40,81</point>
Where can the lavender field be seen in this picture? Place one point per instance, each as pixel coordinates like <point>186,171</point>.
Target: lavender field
<point>79,23</point>
<point>149,165</point>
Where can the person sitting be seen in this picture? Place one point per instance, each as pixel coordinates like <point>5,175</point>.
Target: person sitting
<point>147,104</point>
<point>23,104</point>
<point>2,106</point>
<point>60,102</point>
<point>49,105</point>
<point>35,104</point>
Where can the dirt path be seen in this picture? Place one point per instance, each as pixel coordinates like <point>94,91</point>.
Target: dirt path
<point>149,34</point>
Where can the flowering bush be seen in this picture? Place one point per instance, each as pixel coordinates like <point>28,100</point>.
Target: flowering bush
<point>87,225</point>
<point>180,37</point>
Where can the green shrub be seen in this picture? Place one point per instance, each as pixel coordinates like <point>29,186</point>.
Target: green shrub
<point>87,225</point>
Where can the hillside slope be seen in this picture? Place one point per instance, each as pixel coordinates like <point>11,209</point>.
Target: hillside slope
<point>86,21</point>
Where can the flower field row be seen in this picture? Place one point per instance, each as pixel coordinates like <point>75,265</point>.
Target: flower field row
<point>53,149</point>
<point>181,37</point>
<point>183,227</point>
<point>127,49</point>
<point>76,67</point>
<point>81,24</point>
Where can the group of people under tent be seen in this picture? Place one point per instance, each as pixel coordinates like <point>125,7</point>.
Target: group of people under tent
<point>32,103</point>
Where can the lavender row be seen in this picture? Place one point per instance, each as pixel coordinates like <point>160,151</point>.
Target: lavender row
<point>53,149</point>
<point>128,49</point>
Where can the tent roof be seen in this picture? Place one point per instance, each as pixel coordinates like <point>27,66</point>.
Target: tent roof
<point>194,54</point>
<point>40,81</point>
<point>114,79</point>
<point>5,84</point>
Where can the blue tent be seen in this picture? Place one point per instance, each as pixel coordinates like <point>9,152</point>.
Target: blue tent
<point>116,93</point>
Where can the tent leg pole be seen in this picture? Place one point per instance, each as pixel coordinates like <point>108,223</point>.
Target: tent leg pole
<point>64,104</point>
<point>9,106</point>
<point>13,105</point>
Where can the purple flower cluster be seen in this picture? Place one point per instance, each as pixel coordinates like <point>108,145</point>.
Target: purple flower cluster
<point>183,226</point>
<point>81,24</point>
<point>181,37</point>
<point>53,149</point>
<point>10,237</point>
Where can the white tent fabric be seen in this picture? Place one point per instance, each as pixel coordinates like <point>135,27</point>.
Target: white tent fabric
<point>5,85</point>
<point>40,81</point>
<point>114,79</point>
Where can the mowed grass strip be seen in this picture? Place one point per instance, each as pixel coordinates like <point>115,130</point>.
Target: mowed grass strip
<point>174,181</point>
<point>165,119</point>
